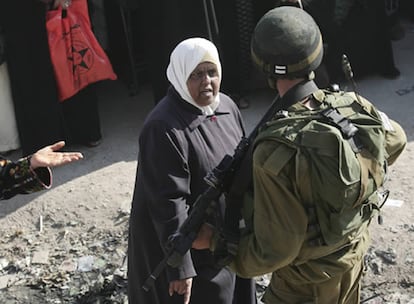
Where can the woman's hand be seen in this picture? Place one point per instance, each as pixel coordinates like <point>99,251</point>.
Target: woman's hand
<point>182,287</point>
<point>48,157</point>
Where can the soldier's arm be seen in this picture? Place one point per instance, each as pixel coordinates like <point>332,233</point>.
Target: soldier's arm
<point>279,220</point>
<point>395,137</point>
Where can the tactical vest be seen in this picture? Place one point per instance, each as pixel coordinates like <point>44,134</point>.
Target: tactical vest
<point>341,163</point>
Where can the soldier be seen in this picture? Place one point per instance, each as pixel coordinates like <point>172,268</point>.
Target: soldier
<point>318,172</point>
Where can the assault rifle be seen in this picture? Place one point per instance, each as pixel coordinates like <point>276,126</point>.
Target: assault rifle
<point>218,180</point>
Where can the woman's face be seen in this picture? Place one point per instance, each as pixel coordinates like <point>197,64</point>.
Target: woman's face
<point>204,83</point>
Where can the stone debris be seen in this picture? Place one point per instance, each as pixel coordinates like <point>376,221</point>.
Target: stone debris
<point>71,262</point>
<point>5,280</point>
<point>389,256</point>
<point>40,257</point>
<point>89,267</point>
<point>85,263</point>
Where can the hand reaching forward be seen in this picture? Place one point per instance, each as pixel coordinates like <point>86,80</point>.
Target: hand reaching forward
<point>182,287</point>
<point>48,157</point>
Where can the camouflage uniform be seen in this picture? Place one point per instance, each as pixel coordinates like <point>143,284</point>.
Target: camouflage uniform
<point>18,178</point>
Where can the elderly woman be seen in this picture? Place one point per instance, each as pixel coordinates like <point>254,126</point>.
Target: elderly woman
<point>184,137</point>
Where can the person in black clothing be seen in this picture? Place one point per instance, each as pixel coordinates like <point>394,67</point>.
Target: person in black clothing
<point>167,22</point>
<point>358,28</point>
<point>189,132</point>
<point>364,37</point>
<point>40,117</point>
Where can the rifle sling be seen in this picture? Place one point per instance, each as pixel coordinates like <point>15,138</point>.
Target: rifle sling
<point>243,176</point>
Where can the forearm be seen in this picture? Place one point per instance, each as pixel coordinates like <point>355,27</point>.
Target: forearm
<point>19,178</point>
<point>266,250</point>
<point>279,224</point>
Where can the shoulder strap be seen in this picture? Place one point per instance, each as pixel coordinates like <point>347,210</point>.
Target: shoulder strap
<point>297,93</point>
<point>243,177</point>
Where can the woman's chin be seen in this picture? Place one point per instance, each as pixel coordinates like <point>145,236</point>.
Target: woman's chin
<point>205,101</point>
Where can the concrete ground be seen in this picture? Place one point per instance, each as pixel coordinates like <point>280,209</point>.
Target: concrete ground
<point>122,116</point>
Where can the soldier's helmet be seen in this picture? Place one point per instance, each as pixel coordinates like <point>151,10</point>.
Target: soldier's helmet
<point>287,43</point>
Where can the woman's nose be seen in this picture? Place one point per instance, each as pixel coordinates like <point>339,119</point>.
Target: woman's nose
<point>206,77</point>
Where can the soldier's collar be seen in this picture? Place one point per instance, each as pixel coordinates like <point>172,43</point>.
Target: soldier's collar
<point>299,92</point>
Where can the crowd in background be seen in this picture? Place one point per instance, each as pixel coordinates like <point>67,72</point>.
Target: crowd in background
<point>363,29</point>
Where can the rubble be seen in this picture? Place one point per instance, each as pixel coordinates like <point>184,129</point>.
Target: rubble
<point>85,268</point>
<point>72,262</point>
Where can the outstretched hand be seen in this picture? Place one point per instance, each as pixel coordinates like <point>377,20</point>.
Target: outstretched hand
<point>48,157</point>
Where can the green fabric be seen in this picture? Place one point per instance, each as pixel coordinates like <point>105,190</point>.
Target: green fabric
<point>281,290</point>
<point>303,181</point>
<point>334,168</point>
<point>277,237</point>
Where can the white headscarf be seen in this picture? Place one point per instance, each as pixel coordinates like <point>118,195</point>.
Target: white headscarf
<point>184,59</point>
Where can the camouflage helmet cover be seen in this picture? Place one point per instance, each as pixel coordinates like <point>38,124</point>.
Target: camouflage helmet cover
<point>287,43</point>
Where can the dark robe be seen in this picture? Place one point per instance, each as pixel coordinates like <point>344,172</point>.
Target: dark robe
<point>236,21</point>
<point>41,118</point>
<point>165,24</point>
<point>178,147</point>
<point>363,35</point>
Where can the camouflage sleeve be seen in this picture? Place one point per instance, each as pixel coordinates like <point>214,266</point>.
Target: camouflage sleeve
<point>395,137</point>
<point>279,219</point>
<point>18,178</point>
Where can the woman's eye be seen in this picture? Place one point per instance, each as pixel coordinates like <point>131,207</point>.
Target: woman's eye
<point>212,73</point>
<point>201,74</point>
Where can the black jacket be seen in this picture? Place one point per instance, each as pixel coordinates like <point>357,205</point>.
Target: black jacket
<point>178,147</point>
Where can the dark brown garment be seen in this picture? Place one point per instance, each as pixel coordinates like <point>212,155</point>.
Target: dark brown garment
<point>165,23</point>
<point>41,119</point>
<point>178,147</point>
<point>363,35</point>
